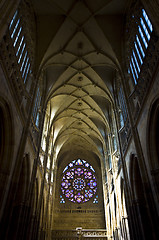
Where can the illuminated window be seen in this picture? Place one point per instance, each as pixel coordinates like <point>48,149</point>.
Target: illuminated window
<point>95,199</point>
<point>62,200</point>
<point>52,177</point>
<point>123,107</point>
<point>79,182</point>
<point>37,103</point>
<point>51,190</point>
<point>47,176</point>
<point>109,162</point>
<point>141,42</point>
<point>19,45</point>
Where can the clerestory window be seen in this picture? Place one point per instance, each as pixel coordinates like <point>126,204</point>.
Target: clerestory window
<point>123,115</point>
<point>19,44</point>
<point>140,45</point>
<point>36,113</point>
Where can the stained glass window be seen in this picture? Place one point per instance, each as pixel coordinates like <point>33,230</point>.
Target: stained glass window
<point>19,43</point>
<point>95,199</point>
<point>141,42</point>
<point>79,162</point>
<point>79,182</point>
<point>62,200</point>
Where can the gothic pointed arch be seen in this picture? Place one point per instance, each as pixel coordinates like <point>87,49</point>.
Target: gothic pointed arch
<point>6,149</point>
<point>141,213</point>
<point>153,143</point>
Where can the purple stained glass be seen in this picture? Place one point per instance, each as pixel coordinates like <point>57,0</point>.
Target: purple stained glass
<point>71,165</point>
<point>69,174</point>
<point>79,163</point>
<point>88,174</point>
<point>87,164</point>
<point>69,193</point>
<point>79,184</point>
<point>92,184</point>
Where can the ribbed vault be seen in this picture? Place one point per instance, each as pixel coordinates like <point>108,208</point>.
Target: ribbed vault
<point>79,52</point>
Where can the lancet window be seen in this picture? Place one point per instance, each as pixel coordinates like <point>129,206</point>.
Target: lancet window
<point>142,37</point>
<point>20,46</point>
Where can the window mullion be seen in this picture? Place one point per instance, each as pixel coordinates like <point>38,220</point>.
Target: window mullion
<point>13,21</point>
<point>25,66</point>
<point>147,20</point>
<point>24,60</point>
<point>146,24</point>
<point>21,53</point>
<point>145,29</point>
<point>134,67</point>
<point>18,47</point>
<point>17,37</point>
<point>145,38</point>
<point>26,74</point>
<point>15,28</point>
<point>142,38</point>
<point>140,44</point>
<point>132,72</point>
<point>138,54</point>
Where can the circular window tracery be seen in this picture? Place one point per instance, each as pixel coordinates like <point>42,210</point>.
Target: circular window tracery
<point>79,182</point>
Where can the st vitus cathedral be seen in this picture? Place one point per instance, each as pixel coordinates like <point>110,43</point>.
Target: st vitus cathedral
<point>79,119</point>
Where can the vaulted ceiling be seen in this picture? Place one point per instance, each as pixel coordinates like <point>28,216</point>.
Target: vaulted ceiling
<point>79,49</point>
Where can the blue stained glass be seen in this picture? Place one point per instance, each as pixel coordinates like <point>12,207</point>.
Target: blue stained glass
<point>140,45</point>
<point>136,62</point>
<point>132,60</point>
<point>20,45</point>
<point>15,42</point>
<point>145,29</point>
<point>27,73</point>
<point>138,41</point>
<point>133,73</point>
<point>147,20</point>
<point>137,50</point>
<point>79,184</point>
<point>23,61</point>
<point>21,53</point>
<point>15,28</point>
<point>62,200</point>
<point>143,38</point>
<point>13,19</point>
<point>95,199</point>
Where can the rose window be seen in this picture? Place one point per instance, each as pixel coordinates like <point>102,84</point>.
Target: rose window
<point>79,182</point>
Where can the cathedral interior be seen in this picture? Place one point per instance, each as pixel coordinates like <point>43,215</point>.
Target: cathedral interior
<point>79,119</point>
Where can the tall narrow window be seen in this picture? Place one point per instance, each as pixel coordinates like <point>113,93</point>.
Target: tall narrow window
<point>36,113</point>
<point>109,161</point>
<point>13,19</point>
<point>141,42</point>
<point>16,34</point>
<point>122,104</point>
